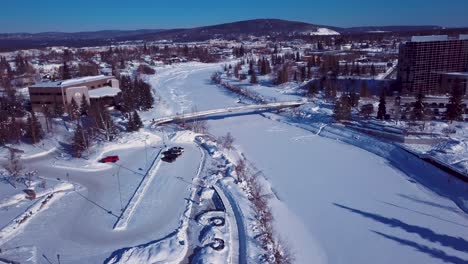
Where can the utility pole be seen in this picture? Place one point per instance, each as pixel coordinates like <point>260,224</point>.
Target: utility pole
<point>146,154</point>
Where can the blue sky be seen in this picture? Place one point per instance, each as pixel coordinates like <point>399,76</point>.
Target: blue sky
<point>85,15</point>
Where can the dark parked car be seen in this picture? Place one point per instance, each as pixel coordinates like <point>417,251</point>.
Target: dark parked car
<point>107,159</point>
<point>171,154</point>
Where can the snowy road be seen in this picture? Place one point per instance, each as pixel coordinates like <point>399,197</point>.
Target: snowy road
<point>81,231</point>
<point>339,203</point>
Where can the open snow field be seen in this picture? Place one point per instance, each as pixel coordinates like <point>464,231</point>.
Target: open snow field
<point>339,203</point>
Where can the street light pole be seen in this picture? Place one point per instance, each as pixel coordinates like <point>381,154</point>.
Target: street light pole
<point>146,153</point>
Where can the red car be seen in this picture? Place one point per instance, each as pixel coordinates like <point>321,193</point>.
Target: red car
<point>107,159</point>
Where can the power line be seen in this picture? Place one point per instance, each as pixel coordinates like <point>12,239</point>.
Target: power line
<point>96,204</point>
<point>134,171</point>
<point>120,192</point>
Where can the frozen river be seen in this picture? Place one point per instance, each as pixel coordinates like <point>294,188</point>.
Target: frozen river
<point>340,204</point>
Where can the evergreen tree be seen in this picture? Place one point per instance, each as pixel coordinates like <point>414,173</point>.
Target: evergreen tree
<point>15,130</point>
<point>312,89</point>
<point>130,124</point>
<point>251,68</point>
<point>80,141</point>
<point>137,121</point>
<point>84,106</point>
<point>354,99</point>
<point>66,71</point>
<point>342,110</point>
<point>253,78</point>
<point>373,73</point>
<point>264,67</point>
<point>33,128</point>
<point>454,107</point>
<point>418,109</point>
<point>346,69</point>
<point>382,111</point>
<point>303,74</point>
<point>146,96</point>
<point>364,92</point>
<point>357,70</point>
<point>74,109</point>
<point>4,127</point>
<point>331,88</point>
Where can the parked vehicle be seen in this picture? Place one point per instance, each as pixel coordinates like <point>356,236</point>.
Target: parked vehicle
<point>171,154</point>
<point>30,194</point>
<point>108,159</point>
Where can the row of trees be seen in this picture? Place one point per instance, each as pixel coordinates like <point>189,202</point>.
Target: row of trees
<point>276,250</point>
<point>330,63</point>
<point>418,112</point>
<point>136,94</point>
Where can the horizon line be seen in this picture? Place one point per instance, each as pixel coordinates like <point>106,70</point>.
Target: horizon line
<point>229,22</point>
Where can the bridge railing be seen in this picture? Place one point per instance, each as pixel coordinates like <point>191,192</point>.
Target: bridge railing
<point>189,116</point>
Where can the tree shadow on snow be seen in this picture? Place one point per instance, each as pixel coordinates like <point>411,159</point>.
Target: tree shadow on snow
<point>433,252</point>
<point>425,214</point>
<point>456,243</point>
<point>415,199</point>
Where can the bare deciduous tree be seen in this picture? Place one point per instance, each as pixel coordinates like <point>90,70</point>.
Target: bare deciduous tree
<point>226,141</point>
<point>13,166</point>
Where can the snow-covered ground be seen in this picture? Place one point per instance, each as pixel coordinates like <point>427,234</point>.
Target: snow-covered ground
<point>78,226</point>
<point>358,206</point>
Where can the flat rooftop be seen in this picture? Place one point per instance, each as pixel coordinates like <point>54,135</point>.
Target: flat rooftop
<point>105,91</point>
<point>429,38</point>
<point>72,82</point>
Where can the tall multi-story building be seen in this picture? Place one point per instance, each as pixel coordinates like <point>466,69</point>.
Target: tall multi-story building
<point>424,59</point>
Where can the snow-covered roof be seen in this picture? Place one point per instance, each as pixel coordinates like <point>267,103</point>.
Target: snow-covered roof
<point>463,37</point>
<point>72,82</point>
<point>84,80</point>
<point>105,91</point>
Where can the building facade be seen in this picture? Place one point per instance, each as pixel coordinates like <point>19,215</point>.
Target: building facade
<point>57,95</point>
<point>447,80</point>
<point>423,60</point>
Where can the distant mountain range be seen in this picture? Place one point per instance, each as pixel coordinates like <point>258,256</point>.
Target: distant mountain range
<point>235,30</point>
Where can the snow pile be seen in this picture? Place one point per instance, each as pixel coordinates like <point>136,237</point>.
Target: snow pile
<point>209,255</point>
<point>24,255</point>
<point>20,197</point>
<point>207,194</point>
<point>168,251</point>
<point>452,146</point>
<point>19,222</point>
<point>453,151</point>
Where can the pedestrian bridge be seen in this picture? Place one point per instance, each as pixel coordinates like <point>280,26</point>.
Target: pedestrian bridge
<point>195,115</point>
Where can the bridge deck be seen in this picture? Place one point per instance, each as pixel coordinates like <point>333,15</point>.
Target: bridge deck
<point>188,116</point>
